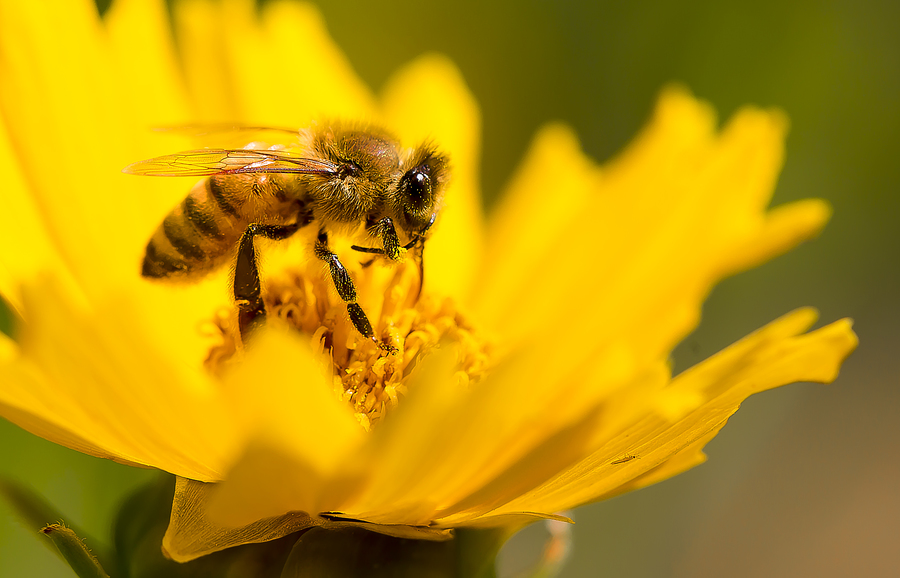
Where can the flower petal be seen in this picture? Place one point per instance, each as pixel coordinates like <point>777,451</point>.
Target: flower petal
<point>433,83</point>
<point>452,452</point>
<point>88,380</point>
<point>142,52</point>
<point>325,86</point>
<point>300,435</point>
<point>229,54</point>
<point>775,355</point>
<point>657,232</point>
<point>191,534</point>
<point>528,219</point>
<point>70,123</point>
<point>21,226</point>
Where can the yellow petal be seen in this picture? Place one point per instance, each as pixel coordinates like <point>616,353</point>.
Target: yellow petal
<point>775,355</point>
<point>322,85</point>
<point>28,245</point>
<point>76,364</point>
<point>74,124</point>
<point>449,450</point>
<point>300,435</point>
<point>201,31</point>
<point>142,52</point>
<point>53,104</point>
<point>230,58</point>
<point>680,209</point>
<point>429,100</point>
<point>550,190</point>
<point>192,534</point>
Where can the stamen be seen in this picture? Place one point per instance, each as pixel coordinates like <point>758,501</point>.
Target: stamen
<point>372,380</point>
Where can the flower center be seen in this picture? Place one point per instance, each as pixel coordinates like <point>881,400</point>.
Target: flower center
<point>367,376</point>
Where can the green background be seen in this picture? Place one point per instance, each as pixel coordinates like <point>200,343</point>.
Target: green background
<point>803,480</point>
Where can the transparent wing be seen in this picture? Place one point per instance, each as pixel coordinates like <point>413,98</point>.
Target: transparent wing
<point>207,162</point>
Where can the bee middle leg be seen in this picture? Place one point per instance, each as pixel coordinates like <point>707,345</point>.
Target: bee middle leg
<point>246,285</point>
<point>344,285</point>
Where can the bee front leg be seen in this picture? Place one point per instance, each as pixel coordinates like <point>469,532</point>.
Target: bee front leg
<point>246,284</point>
<point>344,285</point>
<point>389,239</point>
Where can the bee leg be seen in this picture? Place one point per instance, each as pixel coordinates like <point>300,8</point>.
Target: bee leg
<point>392,247</point>
<point>389,239</point>
<point>345,287</point>
<point>246,285</point>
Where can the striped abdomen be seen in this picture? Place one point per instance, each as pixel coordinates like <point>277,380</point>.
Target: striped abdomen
<point>201,233</point>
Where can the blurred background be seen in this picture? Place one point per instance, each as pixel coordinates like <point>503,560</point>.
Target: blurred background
<point>803,480</point>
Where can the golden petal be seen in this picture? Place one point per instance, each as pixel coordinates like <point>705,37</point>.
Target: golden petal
<point>301,436</point>
<point>205,38</point>
<point>231,53</point>
<point>449,447</point>
<point>549,192</point>
<point>678,210</point>
<point>23,226</point>
<point>192,534</point>
<point>315,79</point>
<point>143,54</point>
<point>90,373</point>
<point>775,355</point>
<point>429,100</point>
<point>74,122</point>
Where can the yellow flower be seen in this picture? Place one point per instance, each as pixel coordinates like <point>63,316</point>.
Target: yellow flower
<point>558,312</point>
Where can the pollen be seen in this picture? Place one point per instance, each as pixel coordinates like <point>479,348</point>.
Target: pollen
<point>371,375</point>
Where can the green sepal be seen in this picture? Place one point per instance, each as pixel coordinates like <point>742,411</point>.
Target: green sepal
<point>346,552</point>
<point>357,552</point>
<point>476,550</point>
<point>9,319</point>
<point>141,523</point>
<point>37,513</point>
<point>139,527</point>
<point>74,552</point>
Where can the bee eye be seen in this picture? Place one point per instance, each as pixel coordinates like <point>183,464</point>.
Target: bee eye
<point>417,186</point>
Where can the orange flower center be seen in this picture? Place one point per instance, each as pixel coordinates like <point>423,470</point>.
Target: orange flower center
<point>366,375</point>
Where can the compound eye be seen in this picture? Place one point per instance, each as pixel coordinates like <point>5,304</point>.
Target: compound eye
<point>418,187</point>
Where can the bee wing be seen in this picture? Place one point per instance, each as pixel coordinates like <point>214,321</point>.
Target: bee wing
<point>207,162</point>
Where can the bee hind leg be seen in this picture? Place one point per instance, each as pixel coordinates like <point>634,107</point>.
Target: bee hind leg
<point>246,284</point>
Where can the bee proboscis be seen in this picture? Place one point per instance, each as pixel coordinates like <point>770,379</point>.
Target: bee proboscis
<point>342,179</point>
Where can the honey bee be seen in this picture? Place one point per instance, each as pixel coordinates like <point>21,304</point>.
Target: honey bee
<point>343,179</point>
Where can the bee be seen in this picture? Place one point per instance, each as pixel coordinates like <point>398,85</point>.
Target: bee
<point>340,179</point>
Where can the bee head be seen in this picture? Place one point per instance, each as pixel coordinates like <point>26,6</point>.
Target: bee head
<point>420,189</point>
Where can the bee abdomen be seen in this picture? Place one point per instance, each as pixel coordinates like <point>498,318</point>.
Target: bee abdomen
<point>195,237</point>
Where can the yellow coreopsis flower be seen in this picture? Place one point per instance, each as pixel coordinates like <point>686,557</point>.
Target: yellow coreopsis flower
<point>559,312</point>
